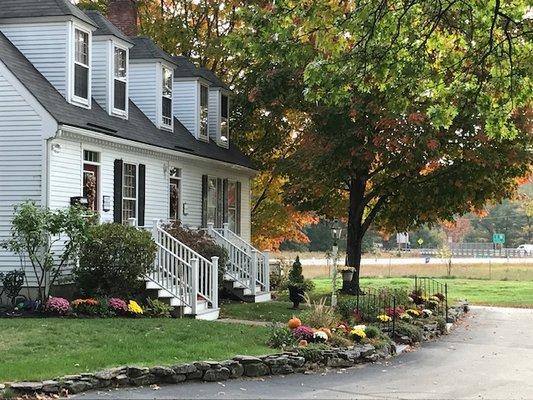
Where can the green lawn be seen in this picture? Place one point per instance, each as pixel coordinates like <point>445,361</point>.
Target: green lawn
<point>274,311</point>
<point>47,348</point>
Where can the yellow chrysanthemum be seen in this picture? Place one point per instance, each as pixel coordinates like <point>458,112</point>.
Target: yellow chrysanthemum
<point>384,318</point>
<point>358,333</point>
<point>134,307</point>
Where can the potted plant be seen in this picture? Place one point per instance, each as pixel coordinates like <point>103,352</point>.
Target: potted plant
<point>346,272</point>
<point>297,284</point>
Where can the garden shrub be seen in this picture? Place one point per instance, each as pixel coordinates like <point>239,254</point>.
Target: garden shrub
<point>279,276</point>
<point>346,307</point>
<point>319,315</point>
<point>281,338</point>
<point>441,324</point>
<point>117,306</point>
<point>313,352</point>
<point>339,340</point>
<point>91,307</point>
<point>415,333</point>
<point>202,243</point>
<point>112,260</point>
<point>157,308</point>
<point>372,332</point>
<point>57,305</point>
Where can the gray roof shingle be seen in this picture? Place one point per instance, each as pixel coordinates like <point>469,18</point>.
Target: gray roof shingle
<point>187,69</point>
<point>105,27</point>
<point>146,49</point>
<point>41,8</point>
<point>137,128</point>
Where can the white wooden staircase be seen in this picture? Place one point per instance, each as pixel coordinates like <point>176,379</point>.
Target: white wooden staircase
<point>183,278</point>
<point>247,274</point>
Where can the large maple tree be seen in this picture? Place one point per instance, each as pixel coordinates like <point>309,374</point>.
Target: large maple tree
<point>415,110</point>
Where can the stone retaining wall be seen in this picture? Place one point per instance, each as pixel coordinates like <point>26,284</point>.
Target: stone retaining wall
<point>214,371</point>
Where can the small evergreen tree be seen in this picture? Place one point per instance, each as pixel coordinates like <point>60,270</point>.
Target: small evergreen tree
<point>296,277</point>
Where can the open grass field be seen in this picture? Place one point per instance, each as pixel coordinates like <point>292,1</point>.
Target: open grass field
<point>35,348</point>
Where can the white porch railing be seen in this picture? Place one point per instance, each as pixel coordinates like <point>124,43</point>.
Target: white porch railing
<point>246,264</point>
<point>183,272</point>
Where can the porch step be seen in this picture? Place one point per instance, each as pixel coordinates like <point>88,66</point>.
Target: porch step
<point>245,294</point>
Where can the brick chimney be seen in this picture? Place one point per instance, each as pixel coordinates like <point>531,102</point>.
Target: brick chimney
<point>123,14</point>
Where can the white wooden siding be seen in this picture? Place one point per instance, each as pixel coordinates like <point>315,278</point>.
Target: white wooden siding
<point>186,104</point>
<point>214,114</point>
<point>101,73</point>
<point>143,87</point>
<point>45,45</point>
<point>23,126</point>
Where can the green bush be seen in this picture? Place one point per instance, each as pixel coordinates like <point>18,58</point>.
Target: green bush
<point>372,332</point>
<point>158,309</point>
<point>281,338</point>
<point>112,260</point>
<point>346,307</point>
<point>297,279</point>
<point>313,352</point>
<point>415,333</point>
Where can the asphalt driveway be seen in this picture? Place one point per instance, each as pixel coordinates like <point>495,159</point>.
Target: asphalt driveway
<point>489,356</point>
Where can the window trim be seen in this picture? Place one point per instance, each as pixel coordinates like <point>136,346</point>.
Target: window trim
<point>200,135</point>
<point>224,143</point>
<point>235,206</point>
<point>136,199</point>
<point>215,206</point>
<point>72,84</point>
<point>163,96</point>
<point>98,165</point>
<point>118,111</point>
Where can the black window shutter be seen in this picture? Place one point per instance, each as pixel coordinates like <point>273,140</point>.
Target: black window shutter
<point>204,200</point>
<point>225,201</point>
<point>141,194</point>
<point>238,217</point>
<point>117,192</point>
<point>220,204</point>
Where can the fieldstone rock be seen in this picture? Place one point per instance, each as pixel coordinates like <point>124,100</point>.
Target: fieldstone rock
<point>121,380</point>
<point>235,368</point>
<point>336,362</point>
<point>202,366</point>
<point>367,350</point>
<point>247,359</point>
<point>74,387</point>
<point>108,374</point>
<point>71,377</point>
<point>213,364</point>
<point>26,386</point>
<point>176,378</point>
<point>136,372</point>
<point>144,380</point>
<point>184,368</point>
<point>2,386</point>
<point>162,371</point>
<point>281,369</point>
<point>195,375</point>
<point>254,369</point>
<point>215,375</point>
<point>296,361</point>
<point>372,357</point>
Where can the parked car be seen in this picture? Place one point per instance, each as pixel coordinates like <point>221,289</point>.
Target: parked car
<point>525,249</point>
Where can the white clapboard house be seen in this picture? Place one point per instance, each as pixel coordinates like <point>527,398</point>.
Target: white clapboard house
<point>84,104</point>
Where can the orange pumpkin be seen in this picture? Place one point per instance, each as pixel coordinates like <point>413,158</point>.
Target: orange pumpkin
<point>327,331</point>
<point>294,323</point>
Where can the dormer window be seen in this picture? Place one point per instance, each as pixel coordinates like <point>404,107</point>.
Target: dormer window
<point>204,101</point>
<point>166,113</point>
<point>81,66</point>
<point>224,118</point>
<point>120,80</point>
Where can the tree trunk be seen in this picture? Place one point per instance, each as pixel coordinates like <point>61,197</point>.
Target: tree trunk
<point>355,232</point>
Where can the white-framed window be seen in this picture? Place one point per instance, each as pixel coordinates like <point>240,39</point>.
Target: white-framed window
<point>166,108</point>
<point>175,194</point>
<point>204,101</point>
<point>129,192</point>
<point>232,206</point>
<point>82,62</point>
<point>212,200</point>
<point>120,80</point>
<point>224,118</point>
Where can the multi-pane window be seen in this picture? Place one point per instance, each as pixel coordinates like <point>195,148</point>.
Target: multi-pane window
<point>129,192</point>
<point>224,118</point>
<point>232,206</point>
<point>212,200</point>
<point>204,99</point>
<point>167,97</point>
<point>91,185</point>
<point>175,193</point>
<point>81,64</point>
<point>120,79</point>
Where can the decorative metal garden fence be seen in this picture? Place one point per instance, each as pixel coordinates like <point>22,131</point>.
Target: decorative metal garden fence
<point>427,288</point>
<point>372,303</point>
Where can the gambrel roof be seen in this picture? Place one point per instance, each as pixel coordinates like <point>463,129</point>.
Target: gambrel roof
<point>137,127</point>
<point>41,8</point>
